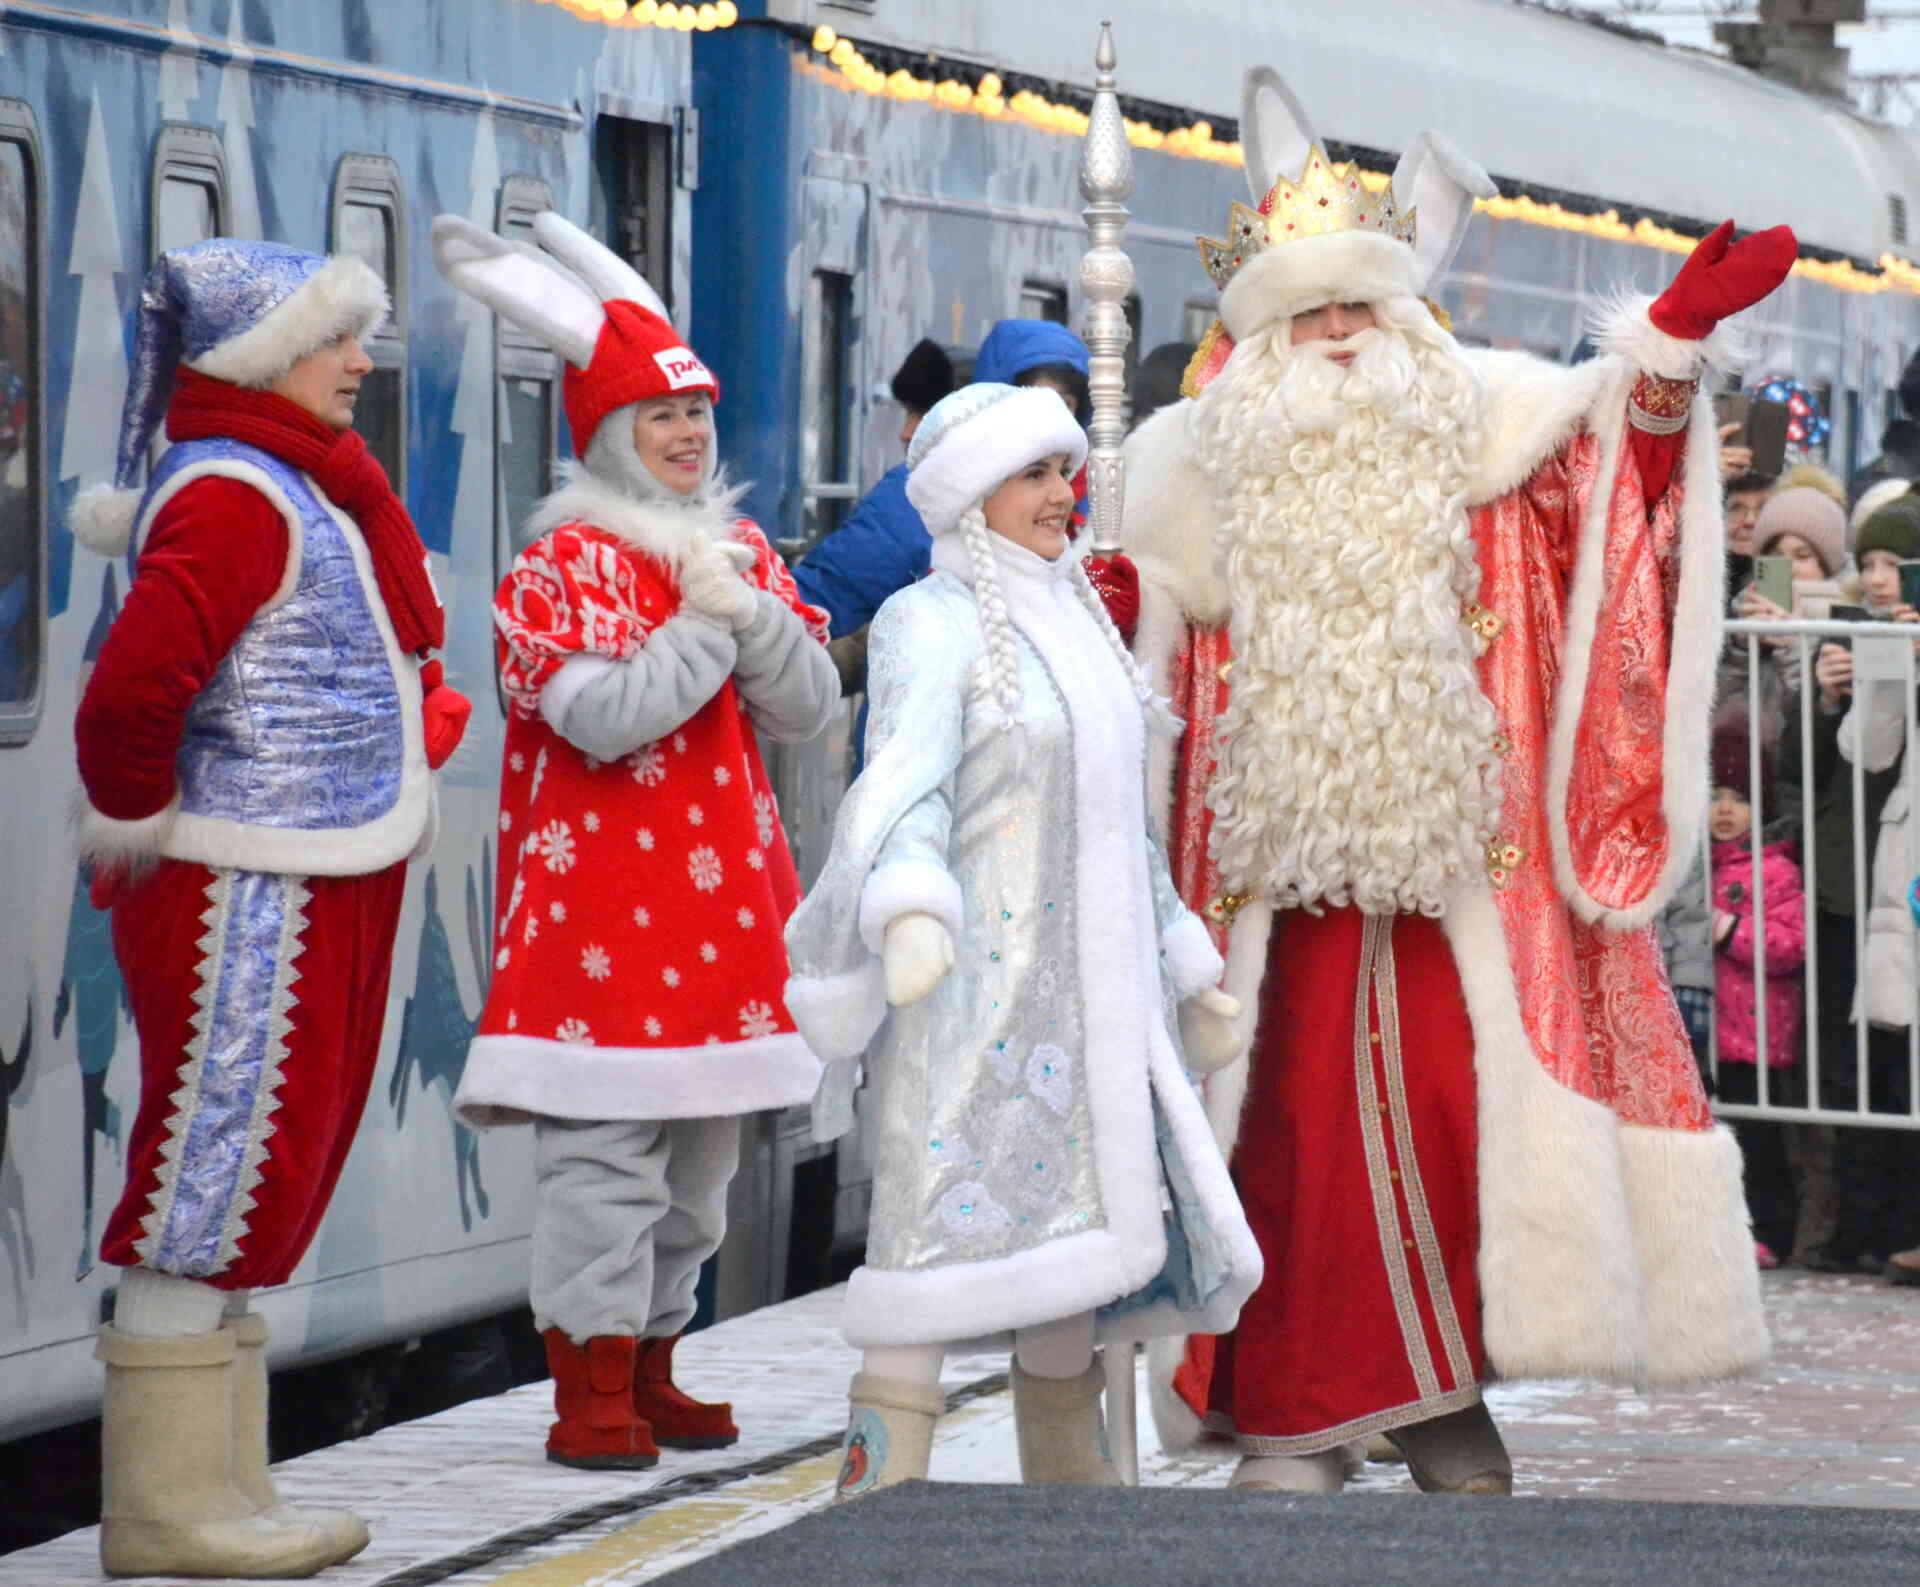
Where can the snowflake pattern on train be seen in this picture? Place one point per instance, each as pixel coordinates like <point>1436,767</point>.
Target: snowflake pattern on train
<point>643,898</point>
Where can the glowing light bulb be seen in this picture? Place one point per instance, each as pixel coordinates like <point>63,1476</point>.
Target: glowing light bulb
<point>727,12</point>
<point>840,52</point>
<point>824,38</point>
<point>707,18</point>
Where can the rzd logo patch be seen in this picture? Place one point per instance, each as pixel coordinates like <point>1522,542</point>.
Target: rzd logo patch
<point>682,369</point>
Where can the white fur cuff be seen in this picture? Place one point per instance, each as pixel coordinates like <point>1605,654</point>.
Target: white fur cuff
<point>111,843</point>
<point>838,1014</point>
<point>906,887</point>
<point>1622,327</point>
<point>1192,961</point>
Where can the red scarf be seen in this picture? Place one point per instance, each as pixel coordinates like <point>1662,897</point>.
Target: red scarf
<point>340,464</point>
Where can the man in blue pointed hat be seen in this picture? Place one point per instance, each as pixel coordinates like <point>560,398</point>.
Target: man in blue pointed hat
<point>257,744</point>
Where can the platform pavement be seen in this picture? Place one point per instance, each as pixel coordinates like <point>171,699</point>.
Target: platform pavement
<point>1833,1420</point>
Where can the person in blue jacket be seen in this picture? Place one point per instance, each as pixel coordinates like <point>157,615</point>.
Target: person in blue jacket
<point>883,546</point>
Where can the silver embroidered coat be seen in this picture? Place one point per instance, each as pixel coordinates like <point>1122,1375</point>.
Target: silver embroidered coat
<point>1041,1149</point>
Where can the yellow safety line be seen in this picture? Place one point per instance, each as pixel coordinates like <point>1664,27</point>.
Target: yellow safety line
<point>682,1526</point>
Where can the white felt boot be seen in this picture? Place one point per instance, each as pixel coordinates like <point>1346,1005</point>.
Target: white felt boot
<point>168,1503</point>
<point>889,1432</point>
<point>1057,1423</point>
<point>1324,1471</point>
<point>345,1531</point>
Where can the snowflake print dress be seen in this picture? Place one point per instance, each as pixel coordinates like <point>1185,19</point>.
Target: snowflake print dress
<point>638,961</point>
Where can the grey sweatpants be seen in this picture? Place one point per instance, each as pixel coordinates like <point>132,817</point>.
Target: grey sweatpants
<point>625,1211</point>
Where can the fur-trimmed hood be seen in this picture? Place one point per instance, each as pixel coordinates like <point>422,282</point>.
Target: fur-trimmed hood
<point>669,529</point>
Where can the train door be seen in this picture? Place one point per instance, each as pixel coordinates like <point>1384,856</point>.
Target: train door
<point>633,198</point>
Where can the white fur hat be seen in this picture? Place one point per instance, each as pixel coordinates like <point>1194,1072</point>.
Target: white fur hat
<point>973,441</point>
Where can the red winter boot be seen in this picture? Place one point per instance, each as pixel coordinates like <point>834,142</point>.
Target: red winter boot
<point>593,1394</point>
<point>677,1421</point>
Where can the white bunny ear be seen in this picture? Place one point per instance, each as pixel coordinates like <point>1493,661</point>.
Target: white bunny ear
<point>1437,184</point>
<point>1274,131</point>
<point>519,285</point>
<point>595,263</point>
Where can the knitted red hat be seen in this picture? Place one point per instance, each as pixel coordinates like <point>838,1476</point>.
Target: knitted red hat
<point>636,356</point>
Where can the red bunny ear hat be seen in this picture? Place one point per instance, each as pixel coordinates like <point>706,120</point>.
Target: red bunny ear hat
<point>636,356</point>
<point>584,301</point>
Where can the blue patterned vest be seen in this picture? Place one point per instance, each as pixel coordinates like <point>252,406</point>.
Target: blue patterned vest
<point>297,755</point>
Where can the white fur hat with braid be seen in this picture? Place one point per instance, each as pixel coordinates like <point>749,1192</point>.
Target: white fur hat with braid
<point>979,436</point>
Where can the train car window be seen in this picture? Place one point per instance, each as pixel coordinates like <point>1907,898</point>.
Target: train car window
<point>826,428</point>
<point>23,520</point>
<point>368,223</point>
<point>526,414</point>
<point>188,201</point>
<point>634,200</point>
<point>1197,319</point>
<point>1043,300</point>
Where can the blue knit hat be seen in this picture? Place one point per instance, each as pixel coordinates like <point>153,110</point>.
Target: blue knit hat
<point>243,312</point>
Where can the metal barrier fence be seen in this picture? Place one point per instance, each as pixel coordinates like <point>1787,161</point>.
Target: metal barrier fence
<point>1873,728</point>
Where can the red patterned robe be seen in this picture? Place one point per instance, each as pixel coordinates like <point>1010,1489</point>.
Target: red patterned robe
<point>1481,1141</point>
<point>638,960</point>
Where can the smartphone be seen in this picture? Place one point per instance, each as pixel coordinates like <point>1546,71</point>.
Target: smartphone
<point>1773,578</point>
<point>1910,584</point>
<point>1766,434</point>
<point>1763,429</point>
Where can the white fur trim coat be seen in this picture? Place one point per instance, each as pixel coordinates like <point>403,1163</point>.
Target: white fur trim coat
<point>1042,1151</point>
<point>1614,1237</point>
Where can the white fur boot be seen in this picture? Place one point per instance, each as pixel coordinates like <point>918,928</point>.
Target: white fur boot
<point>1057,1423</point>
<point>168,1503</point>
<point>346,1532</point>
<point>889,1432</point>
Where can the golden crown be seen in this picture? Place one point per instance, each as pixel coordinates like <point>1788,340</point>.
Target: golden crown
<point>1325,198</point>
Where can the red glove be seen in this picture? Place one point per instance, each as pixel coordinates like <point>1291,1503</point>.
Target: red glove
<point>1720,278</point>
<point>1117,582</point>
<point>445,712</point>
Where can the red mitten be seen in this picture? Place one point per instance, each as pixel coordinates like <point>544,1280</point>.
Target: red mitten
<point>444,711</point>
<point>1118,583</point>
<point>1720,278</point>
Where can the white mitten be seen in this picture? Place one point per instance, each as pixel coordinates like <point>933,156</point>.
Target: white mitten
<point>1210,1030</point>
<point>733,552</point>
<point>710,583</point>
<point>918,952</point>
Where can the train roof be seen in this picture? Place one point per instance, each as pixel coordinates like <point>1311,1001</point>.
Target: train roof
<point>1555,103</point>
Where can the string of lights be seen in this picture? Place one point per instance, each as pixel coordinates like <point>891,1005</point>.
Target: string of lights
<point>703,18</point>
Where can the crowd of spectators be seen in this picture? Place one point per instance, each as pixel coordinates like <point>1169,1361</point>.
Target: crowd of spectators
<point>1825,820</point>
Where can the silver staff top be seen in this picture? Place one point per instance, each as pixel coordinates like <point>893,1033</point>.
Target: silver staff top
<point>1106,277</point>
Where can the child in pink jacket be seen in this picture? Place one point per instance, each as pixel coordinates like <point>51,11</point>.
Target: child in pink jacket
<point>1741,901</point>
<point>1736,937</point>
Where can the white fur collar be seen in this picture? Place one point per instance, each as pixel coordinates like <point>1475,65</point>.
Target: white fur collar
<point>669,530</point>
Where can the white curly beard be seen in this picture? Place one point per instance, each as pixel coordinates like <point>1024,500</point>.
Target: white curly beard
<point>1357,761</point>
